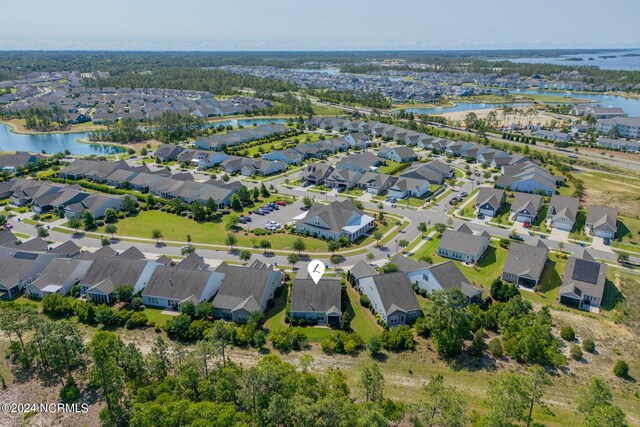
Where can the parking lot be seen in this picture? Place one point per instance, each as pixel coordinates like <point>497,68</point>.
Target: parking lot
<point>282,215</point>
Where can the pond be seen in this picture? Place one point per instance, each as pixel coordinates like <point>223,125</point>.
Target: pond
<point>52,143</point>
<point>629,105</point>
<point>463,106</point>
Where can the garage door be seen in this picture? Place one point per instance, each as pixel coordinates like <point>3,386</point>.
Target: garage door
<point>487,212</point>
<point>604,234</point>
<point>562,226</point>
<point>523,218</point>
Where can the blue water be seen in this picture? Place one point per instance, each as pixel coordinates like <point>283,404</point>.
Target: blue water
<point>58,142</point>
<point>52,143</point>
<point>620,62</point>
<point>630,106</point>
<point>463,106</point>
<point>247,122</point>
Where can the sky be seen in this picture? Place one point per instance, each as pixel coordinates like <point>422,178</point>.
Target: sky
<point>232,25</point>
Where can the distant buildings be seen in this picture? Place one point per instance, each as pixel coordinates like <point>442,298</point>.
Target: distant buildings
<point>626,127</point>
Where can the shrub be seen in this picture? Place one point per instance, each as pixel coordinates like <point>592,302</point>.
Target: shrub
<point>69,392</point>
<point>475,349</point>
<point>621,369</point>
<point>567,333</point>
<point>495,347</point>
<point>575,353</point>
<point>136,320</point>
<point>364,301</point>
<point>288,339</point>
<point>588,345</point>
<point>342,342</point>
<point>396,339</point>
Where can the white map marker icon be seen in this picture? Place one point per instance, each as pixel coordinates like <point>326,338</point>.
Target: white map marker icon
<point>316,270</point>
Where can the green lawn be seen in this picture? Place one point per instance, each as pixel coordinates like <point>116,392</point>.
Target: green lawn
<point>549,285</point>
<point>176,228</point>
<point>578,232</point>
<point>469,211</point>
<point>361,322</point>
<point>488,268</point>
<point>389,168</point>
<point>155,315</point>
<point>628,233</point>
<point>503,214</point>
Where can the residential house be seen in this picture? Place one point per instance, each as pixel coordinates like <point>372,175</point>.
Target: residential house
<point>245,290</point>
<point>288,156</point>
<point>21,159</point>
<point>435,172</point>
<point>359,271</point>
<point>335,220</point>
<point>553,135</point>
<point>321,302</point>
<point>562,212</point>
<point>58,277</point>
<point>392,297</point>
<point>263,168</point>
<point>107,273</point>
<point>360,162</point>
<point>620,144</point>
<point>463,244</point>
<point>409,187</point>
<point>583,282</point>
<point>18,269</point>
<point>525,264</point>
<point>400,154</point>
<point>525,207</point>
<point>168,152</point>
<point>376,183</point>
<point>602,221</point>
<point>169,287</point>
<point>490,200</point>
<point>316,173</point>
<point>625,127</point>
<point>343,179</point>
<point>528,177</point>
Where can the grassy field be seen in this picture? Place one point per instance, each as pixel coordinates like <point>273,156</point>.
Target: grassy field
<point>606,189</point>
<point>628,234</point>
<point>504,214</point>
<point>362,322</point>
<point>176,228</point>
<point>549,284</point>
<point>488,268</point>
<point>326,110</point>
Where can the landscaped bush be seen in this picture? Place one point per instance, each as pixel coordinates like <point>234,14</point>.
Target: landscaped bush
<point>588,345</point>
<point>136,320</point>
<point>397,339</point>
<point>621,369</point>
<point>567,333</point>
<point>575,353</point>
<point>288,339</point>
<point>364,301</point>
<point>342,342</point>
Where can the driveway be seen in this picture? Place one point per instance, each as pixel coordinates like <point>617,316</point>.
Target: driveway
<point>559,235</point>
<point>598,243</point>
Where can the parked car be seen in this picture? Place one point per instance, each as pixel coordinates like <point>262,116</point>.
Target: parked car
<point>480,216</point>
<point>464,194</point>
<point>526,225</point>
<point>281,203</point>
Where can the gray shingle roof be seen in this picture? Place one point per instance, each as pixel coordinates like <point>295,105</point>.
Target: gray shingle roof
<point>463,240</point>
<point>584,276</point>
<point>323,297</point>
<point>407,265</point>
<point>526,260</point>
<point>396,290</point>
<point>491,196</point>
<point>241,284</point>
<point>599,215</point>
<point>177,283</point>
<point>118,270</point>
<point>564,205</point>
<point>362,269</point>
<point>336,214</point>
<point>449,276</point>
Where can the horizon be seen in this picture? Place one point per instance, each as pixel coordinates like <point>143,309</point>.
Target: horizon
<point>333,25</point>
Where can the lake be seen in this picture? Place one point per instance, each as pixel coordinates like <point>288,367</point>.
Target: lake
<point>621,60</point>
<point>56,142</point>
<point>52,143</point>
<point>630,106</point>
<point>463,106</point>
